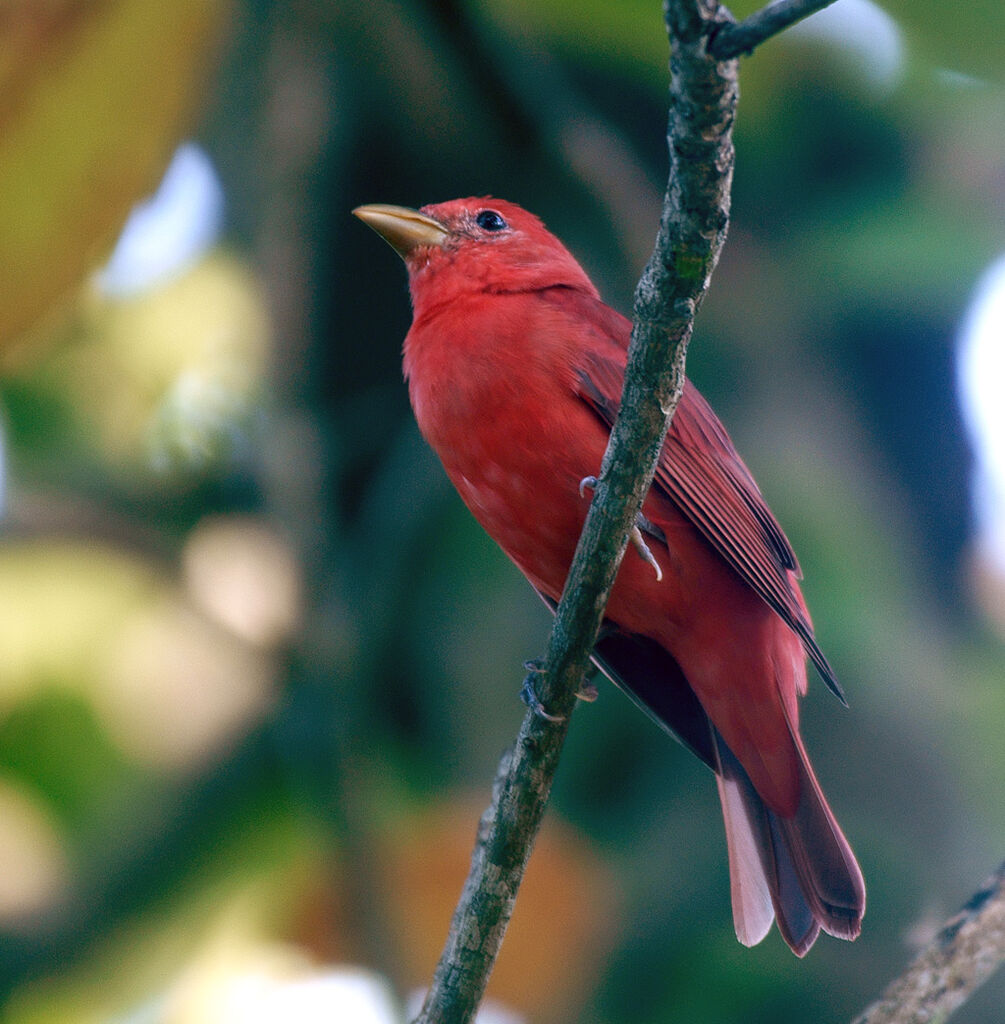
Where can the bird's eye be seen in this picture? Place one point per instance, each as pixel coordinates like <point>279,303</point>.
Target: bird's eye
<point>489,220</point>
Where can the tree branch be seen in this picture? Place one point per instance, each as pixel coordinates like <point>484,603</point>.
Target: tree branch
<point>960,959</point>
<point>692,230</point>
<point>704,42</point>
<point>734,39</point>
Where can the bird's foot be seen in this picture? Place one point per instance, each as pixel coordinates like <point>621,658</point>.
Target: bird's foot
<point>638,541</point>
<point>528,693</point>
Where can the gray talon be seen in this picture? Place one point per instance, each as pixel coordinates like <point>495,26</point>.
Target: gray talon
<point>643,549</point>
<point>635,536</point>
<point>529,695</point>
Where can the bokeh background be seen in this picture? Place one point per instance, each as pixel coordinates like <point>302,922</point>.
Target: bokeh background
<point>257,663</point>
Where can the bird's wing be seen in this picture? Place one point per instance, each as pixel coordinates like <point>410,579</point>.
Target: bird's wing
<point>703,475</point>
<point>650,677</point>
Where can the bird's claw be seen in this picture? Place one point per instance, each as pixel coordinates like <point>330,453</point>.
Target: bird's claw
<point>638,542</point>
<point>643,549</point>
<point>529,695</point>
<point>587,692</point>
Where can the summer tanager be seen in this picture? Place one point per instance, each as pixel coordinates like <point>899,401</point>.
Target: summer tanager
<point>515,369</point>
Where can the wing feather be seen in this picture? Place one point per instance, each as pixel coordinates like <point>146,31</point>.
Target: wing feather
<point>703,475</point>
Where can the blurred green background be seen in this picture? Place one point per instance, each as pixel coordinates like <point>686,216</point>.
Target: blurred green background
<point>257,663</point>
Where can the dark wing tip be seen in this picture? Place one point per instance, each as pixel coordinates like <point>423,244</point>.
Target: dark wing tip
<point>822,665</point>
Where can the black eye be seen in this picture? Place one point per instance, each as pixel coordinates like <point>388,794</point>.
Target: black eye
<point>489,220</point>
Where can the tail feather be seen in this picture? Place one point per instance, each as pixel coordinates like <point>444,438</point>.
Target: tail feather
<point>746,837</point>
<point>798,870</point>
<point>832,880</point>
<point>798,922</point>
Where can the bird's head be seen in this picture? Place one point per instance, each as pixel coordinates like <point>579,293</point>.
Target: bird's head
<point>473,245</point>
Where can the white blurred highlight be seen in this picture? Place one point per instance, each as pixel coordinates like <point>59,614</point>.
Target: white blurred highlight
<point>176,689</point>
<point>342,994</point>
<point>168,232</point>
<point>865,32</point>
<point>242,575</point>
<point>981,378</point>
<point>238,979</point>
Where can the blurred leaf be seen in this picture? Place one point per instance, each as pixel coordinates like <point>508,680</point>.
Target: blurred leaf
<point>234,910</point>
<point>629,33</point>
<point>168,687</point>
<point>167,380</point>
<point>969,38</point>
<point>35,871</point>
<point>918,255</point>
<point>95,96</point>
<point>54,742</point>
<point>562,927</point>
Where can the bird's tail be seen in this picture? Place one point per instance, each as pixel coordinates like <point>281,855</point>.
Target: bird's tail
<point>799,870</point>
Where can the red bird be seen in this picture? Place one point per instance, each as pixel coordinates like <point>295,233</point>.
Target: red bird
<point>515,369</point>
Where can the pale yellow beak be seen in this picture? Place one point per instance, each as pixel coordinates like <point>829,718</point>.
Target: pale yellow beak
<point>402,228</point>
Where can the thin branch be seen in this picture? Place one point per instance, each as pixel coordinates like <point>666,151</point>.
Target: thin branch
<point>960,959</point>
<point>692,230</point>
<point>734,39</point>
